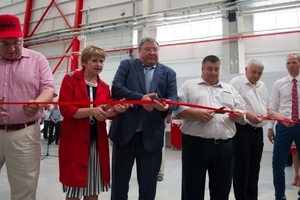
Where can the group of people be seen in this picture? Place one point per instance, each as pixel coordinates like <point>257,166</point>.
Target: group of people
<point>51,119</point>
<point>226,141</point>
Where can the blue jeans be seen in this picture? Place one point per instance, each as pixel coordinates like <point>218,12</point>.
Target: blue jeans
<point>282,144</point>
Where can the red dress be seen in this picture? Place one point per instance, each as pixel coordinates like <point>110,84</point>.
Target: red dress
<point>75,133</point>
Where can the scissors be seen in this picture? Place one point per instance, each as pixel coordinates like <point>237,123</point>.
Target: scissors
<point>2,109</point>
<point>220,112</point>
<point>157,98</point>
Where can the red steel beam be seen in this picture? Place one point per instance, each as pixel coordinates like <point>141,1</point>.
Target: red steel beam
<point>76,41</point>
<point>61,59</point>
<point>78,13</point>
<point>63,16</point>
<point>27,17</point>
<point>39,22</point>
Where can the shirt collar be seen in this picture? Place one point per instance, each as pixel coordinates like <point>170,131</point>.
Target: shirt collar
<point>23,54</point>
<point>150,66</point>
<point>291,78</point>
<point>202,81</point>
<point>246,81</point>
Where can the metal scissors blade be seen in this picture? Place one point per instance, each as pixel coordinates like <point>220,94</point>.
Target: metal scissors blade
<point>1,107</point>
<point>220,112</point>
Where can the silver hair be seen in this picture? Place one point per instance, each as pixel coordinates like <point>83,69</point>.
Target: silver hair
<point>256,61</point>
<point>148,39</point>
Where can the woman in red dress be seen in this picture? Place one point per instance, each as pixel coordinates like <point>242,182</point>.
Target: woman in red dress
<point>83,149</point>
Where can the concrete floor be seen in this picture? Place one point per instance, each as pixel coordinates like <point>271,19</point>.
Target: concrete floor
<point>50,188</point>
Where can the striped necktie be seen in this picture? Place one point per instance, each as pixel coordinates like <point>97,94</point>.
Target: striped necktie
<point>295,114</point>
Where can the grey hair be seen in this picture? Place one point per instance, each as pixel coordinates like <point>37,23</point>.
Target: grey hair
<point>147,39</point>
<point>256,61</point>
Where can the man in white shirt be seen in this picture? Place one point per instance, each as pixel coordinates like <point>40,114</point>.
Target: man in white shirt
<point>207,144</point>
<point>248,142</point>
<point>286,133</point>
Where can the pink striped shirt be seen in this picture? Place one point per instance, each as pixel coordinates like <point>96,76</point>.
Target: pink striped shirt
<point>21,80</point>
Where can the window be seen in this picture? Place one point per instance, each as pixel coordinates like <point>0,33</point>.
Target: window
<point>276,21</point>
<point>135,38</point>
<point>190,31</point>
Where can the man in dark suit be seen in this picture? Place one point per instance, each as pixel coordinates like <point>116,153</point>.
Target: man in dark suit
<point>137,134</point>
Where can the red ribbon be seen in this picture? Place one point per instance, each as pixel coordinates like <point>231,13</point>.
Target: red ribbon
<point>140,102</point>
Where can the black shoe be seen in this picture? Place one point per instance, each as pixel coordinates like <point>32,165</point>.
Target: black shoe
<point>160,178</point>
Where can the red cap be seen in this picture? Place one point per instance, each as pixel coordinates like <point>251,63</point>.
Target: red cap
<point>10,26</point>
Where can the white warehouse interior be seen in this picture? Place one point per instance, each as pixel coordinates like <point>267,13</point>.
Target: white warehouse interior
<point>187,31</point>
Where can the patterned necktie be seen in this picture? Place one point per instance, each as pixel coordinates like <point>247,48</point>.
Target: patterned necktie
<point>148,78</point>
<point>295,114</point>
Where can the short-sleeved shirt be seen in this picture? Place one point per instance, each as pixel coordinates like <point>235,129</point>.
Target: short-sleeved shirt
<point>197,91</point>
<point>256,96</point>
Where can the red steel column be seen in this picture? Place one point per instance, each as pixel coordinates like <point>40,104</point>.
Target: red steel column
<point>76,42</point>
<point>27,18</point>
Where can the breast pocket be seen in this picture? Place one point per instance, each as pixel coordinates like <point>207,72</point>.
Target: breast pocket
<point>227,100</point>
<point>24,81</point>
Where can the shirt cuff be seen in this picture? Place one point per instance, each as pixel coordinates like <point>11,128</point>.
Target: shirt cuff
<point>271,124</point>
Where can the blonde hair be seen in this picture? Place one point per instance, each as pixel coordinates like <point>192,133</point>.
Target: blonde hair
<point>91,50</point>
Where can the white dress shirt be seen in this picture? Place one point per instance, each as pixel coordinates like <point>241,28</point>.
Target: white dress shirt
<point>197,91</point>
<point>255,96</point>
<point>46,115</point>
<point>281,100</point>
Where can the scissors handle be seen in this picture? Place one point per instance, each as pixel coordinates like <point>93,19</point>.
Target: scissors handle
<point>1,107</point>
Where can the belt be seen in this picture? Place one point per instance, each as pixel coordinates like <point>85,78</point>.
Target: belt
<point>213,140</point>
<point>254,127</point>
<point>15,127</point>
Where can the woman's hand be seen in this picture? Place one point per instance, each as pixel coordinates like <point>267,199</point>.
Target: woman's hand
<point>120,108</point>
<point>100,113</point>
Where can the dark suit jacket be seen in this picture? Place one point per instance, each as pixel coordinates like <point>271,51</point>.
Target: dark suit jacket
<point>129,83</point>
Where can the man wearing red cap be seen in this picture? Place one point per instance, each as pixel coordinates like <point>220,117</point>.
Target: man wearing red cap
<point>25,76</point>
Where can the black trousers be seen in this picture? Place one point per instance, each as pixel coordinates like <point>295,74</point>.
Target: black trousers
<point>248,147</point>
<point>200,156</point>
<point>56,133</point>
<point>147,167</point>
<point>46,128</point>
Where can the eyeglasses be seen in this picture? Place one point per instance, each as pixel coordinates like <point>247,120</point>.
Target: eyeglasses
<point>148,50</point>
<point>10,44</point>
